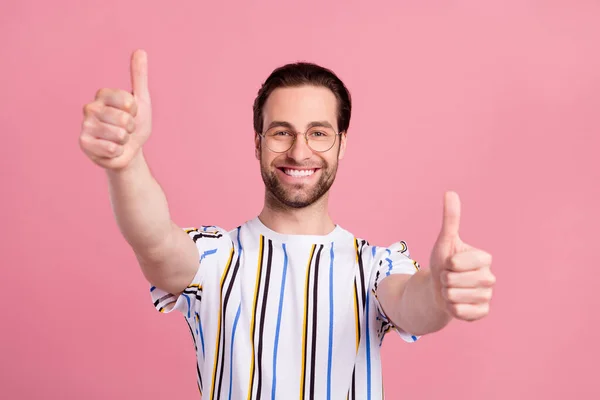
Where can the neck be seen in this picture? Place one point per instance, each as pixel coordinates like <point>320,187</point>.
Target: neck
<point>311,220</point>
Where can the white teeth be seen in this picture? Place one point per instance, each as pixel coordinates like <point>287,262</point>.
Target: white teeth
<point>299,173</point>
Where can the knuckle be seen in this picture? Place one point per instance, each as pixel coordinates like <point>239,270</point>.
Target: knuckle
<point>451,295</point>
<point>488,280</point>
<point>453,262</point>
<point>456,310</point>
<point>122,135</point>
<point>111,148</point>
<point>95,108</point>
<point>103,93</point>
<point>128,101</point>
<point>486,295</point>
<point>124,119</point>
<point>88,124</point>
<point>100,93</point>
<point>486,258</point>
<point>485,309</point>
<point>82,142</point>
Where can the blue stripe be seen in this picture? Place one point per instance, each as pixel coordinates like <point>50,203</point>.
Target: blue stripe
<point>200,333</point>
<point>239,242</point>
<point>390,265</point>
<point>207,253</point>
<point>189,314</point>
<point>368,346</point>
<point>237,317</point>
<point>152,288</point>
<point>414,338</point>
<point>374,249</point>
<point>282,291</point>
<point>329,353</point>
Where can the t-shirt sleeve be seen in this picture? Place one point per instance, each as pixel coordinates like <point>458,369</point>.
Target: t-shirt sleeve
<point>214,247</point>
<point>387,261</point>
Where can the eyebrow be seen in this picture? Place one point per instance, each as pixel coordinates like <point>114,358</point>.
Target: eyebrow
<point>288,125</point>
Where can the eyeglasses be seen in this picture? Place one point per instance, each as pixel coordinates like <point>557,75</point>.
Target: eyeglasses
<point>281,139</point>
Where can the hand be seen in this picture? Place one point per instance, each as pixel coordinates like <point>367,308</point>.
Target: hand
<point>462,276</point>
<point>118,123</point>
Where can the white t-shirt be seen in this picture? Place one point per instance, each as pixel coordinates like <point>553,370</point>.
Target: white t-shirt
<point>277,316</point>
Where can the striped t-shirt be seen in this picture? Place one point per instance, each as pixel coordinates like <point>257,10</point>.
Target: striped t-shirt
<point>277,316</point>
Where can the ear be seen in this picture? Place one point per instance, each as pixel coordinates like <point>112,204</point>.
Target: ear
<point>257,146</point>
<point>343,140</point>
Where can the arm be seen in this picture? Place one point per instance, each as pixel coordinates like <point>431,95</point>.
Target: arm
<point>167,256</point>
<point>115,127</point>
<point>458,283</point>
<point>411,304</point>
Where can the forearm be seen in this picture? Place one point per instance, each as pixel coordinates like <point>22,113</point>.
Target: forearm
<point>140,208</point>
<point>419,310</point>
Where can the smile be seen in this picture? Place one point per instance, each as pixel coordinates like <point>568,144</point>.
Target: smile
<point>298,173</point>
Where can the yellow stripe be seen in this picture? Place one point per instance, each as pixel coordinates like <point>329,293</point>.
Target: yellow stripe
<point>212,387</point>
<point>196,285</point>
<point>356,298</point>
<point>258,270</point>
<point>356,315</point>
<point>416,264</point>
<point>190,230</point>
<point>312,252</point>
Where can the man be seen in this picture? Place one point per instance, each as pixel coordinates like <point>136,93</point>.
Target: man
<point>289,304</point>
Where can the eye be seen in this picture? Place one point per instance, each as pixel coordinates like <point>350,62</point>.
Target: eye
<point>281,133</point>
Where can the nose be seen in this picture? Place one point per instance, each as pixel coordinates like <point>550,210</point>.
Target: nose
<point>300,150</point>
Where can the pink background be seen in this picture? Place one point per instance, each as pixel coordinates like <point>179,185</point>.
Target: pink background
<point>496,100</point>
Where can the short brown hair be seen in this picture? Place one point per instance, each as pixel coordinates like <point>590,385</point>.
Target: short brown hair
<point>299,74</point>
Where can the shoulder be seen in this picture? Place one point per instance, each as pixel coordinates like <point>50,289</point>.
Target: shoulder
<point>377,253</point>
<point>207,237</point>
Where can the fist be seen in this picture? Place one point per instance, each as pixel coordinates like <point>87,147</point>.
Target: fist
<point>117,123</point>
<point>463,280</point>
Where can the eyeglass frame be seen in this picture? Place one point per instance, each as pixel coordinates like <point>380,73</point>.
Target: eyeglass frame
<point>296,133</point>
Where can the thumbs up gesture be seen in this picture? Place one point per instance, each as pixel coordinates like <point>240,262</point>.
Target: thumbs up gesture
<point>462,274</point>
<point>118,123</point>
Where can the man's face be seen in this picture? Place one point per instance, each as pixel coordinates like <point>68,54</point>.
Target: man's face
<point>300,176</point>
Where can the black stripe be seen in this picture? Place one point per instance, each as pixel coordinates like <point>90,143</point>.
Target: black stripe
<point>222,319</point>
<point>262,260</point>
<point>359,335</point>
<point>306,327</point>
<point>192,333</point>
<point>200,235</point>
<point>262,319</point>
<point>195,347</point>
<point>229,287</point>
<point>353,390</point>
<point>165,297</point>
<point>362,276</point>
<point>314,325</point>
<point>200,384</point>
<point>357,308</point>
<point>165,305</point>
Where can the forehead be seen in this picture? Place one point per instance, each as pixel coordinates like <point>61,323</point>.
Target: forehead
<point>301,105</point>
